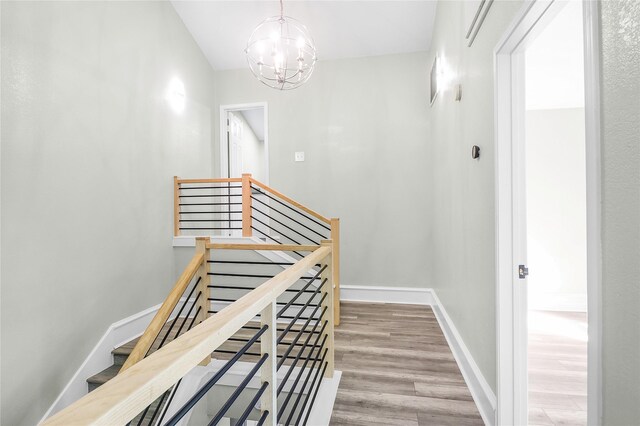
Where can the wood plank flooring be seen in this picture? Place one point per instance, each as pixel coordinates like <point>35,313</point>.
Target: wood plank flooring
<point>397,369</point>
<point>557,368</point>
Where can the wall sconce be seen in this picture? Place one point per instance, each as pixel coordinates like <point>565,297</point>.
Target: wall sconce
<point>444,74</point>
<point>176,96</point>
<point>458,92</point>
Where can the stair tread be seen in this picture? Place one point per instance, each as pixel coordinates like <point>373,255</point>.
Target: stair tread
<point>105,375</point>
<point>126,349</point>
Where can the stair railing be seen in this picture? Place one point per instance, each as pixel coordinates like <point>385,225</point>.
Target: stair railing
<point>247,207</point>
<point>150,378</point>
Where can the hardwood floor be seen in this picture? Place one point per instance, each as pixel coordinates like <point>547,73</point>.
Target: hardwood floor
<point>557,368</point>
<point>397,369</point>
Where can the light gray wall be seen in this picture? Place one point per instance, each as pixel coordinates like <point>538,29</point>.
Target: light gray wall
<point>621,211</point>
<point>89,148</point>
<point>461,203</point>
<point>362,124</point>
<point>556,209</point>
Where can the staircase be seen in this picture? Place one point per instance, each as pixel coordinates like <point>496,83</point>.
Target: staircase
<point>121,353</point>
<point>268,305</point>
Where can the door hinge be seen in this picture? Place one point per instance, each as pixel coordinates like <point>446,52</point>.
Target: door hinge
<point>523,271</point>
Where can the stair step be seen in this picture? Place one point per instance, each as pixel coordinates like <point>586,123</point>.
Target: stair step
<point>103,377</point>
<point>121,353</point>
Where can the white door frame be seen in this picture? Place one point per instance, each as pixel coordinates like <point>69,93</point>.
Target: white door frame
<point>510,293</point>
<point>224,169</point>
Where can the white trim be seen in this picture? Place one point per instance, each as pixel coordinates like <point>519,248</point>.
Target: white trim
<point>403,295</point>
<point>510,350</point>
<point>480,390</point>
<point>100,357</point>
<point>323,408</point>
<point>127,329</point>
<point>591,28</point>
<point>224,169</point>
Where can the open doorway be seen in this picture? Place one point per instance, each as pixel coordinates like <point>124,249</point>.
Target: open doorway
<point>556,230</point>
<point>244,148</point>
<point>244,141</point>
<point>548,216</point>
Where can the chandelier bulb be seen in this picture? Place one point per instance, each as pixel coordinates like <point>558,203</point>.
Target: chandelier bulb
<point>292,52</point>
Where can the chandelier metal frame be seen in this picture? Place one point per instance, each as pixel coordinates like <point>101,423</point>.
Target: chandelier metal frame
<point>281,53</point>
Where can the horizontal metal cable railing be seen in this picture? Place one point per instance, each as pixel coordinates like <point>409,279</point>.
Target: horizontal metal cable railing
<point>207,206</point>
<point>280,323</point>
<point>246,207</point>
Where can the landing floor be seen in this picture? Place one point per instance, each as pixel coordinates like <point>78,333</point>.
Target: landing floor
<point>397,369</point>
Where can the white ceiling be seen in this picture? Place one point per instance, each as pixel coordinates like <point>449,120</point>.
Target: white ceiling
<point>341,29</point>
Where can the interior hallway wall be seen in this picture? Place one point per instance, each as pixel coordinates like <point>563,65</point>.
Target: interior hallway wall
<point>621,211</point>
<point>462,204</point>
<point>89,148</point>
<point>363,126</point>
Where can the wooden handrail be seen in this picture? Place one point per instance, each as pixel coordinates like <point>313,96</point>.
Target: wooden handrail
<point>258,246</point>
<point>210,180</point>
<point>161,317</point>
<point>176,206</point>
<point>290,201</point>
<point>246,206</point>
<point>125,396</point>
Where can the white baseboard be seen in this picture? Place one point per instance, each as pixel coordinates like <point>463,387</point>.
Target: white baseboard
<point>100,357</point>
<point>404,295</point>
<point>133,326</point>
<point>481,392</point>
<point>563,302</point>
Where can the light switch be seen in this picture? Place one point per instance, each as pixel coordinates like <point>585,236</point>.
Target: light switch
<point>299,156</point>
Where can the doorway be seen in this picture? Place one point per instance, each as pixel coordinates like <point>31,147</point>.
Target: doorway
<point>244,148</point>
<point>547,201</point>
<point>555,217</point>
<point>244,141</point>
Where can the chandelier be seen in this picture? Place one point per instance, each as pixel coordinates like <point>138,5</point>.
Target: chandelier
<point>281,52</point>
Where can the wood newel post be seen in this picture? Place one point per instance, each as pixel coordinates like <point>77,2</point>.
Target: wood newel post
<point>176,207</point>
<point>268,371</point>
<point>335,255</point>
<point>203,304</point>
<point>246,205</point>
<point>328,303</point>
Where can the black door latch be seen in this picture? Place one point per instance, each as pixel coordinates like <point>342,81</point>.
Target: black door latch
<point>523,271</point>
